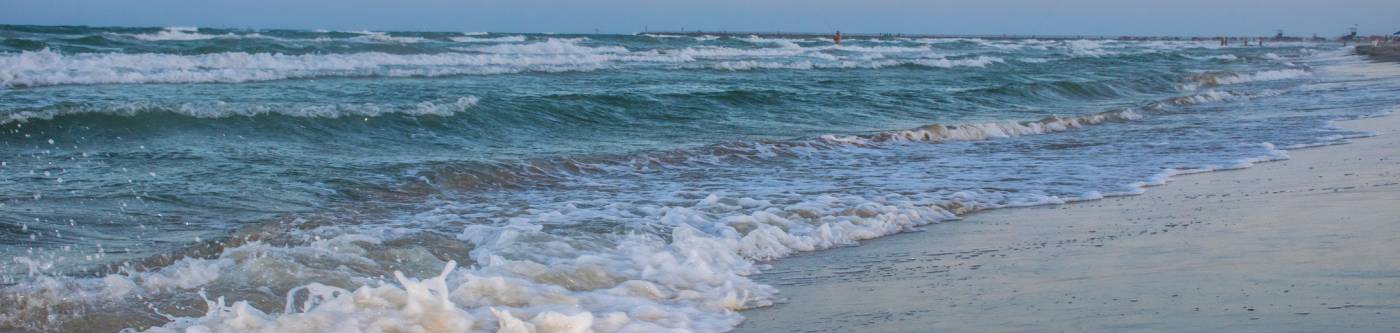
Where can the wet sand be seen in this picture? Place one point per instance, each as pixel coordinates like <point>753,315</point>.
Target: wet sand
<point>1311,244</point>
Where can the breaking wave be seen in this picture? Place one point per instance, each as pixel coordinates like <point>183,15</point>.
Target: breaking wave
<point>502,39</point>
<point>44,68</point>
<point>1216,79</point>
<point>178,34</point>
<point>225,110</point>
<point>692,276</point>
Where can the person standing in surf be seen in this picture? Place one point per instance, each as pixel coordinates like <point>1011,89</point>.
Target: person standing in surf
<point>837,38</point>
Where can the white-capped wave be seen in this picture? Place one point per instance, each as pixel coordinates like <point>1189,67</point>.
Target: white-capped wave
<point>177,34</point>
<point>744,65</point>
<point>46,67</point>
<point>220,109</point>
<point>980,61</point>
<point>1213,79</point>
<point>522,277</point>
<point>549,46</point>
<point>43,68</point>
<point>778,42</point>
<point>1221,57</point>
<point>502,39</point>
<point>880,49</point>
<point>1087,48</point>
<point>1283,74</point>
<point>973,132</point>
<point>384,37</point>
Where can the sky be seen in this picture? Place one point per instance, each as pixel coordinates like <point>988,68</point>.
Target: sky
<point>1026,17</point>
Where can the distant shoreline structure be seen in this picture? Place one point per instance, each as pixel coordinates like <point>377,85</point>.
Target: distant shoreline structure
<point>1389,52</point>
<point>804,35</point>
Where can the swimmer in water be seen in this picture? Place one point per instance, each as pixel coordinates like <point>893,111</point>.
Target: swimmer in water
<point>837,37</point>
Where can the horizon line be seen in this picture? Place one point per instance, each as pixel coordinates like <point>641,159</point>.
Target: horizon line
<point>704,31</point>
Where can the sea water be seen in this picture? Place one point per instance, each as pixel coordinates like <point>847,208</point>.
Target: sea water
<point>187,179</point>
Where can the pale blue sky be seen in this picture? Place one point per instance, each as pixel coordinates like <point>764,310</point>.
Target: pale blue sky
<point>1066,17</point>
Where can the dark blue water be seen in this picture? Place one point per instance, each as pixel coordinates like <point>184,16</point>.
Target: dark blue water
<point>613,182</point>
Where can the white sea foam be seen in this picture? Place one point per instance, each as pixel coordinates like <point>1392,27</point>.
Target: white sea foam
<point>550,46</point>
<point>1206,97</point>
<point>984,131</point>
<point>522,277</point>
<point>45,67</point>
<point>177,34</point>
<point>1162,178</point>
<point>498,55</point>
<point>1213,96</point>
<point>384,37</point>
<point>981,61</point>
<point>716,52</point>
<point>225,110</point>
<point>880,49</point>
<point>778,42</point>
<point>502,39</point>
<point>1088,48</point>
<point>1272,75</point>
<point>744,65</point>
<point>1221,57</point>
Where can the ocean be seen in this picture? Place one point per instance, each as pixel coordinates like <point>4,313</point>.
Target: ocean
<point>184,179</point>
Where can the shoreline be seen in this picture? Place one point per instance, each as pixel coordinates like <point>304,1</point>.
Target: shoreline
<point>1297,244</point>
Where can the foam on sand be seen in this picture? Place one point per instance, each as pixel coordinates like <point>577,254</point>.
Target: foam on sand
<point>1135,261</point>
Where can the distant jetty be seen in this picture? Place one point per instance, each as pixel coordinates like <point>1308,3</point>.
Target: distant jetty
<point>808,35</point>
<point>1390,52</point>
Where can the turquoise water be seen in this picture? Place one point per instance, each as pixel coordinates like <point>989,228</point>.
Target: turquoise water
<point>276,180</point>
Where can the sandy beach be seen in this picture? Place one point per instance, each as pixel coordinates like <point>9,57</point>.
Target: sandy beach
<point>1310,244</point>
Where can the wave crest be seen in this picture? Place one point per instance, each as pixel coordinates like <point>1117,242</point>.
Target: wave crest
<point>221,109</point>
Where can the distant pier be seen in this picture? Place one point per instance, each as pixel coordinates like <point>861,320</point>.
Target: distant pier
<point>806,35</point>
<point>1383,52</point>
